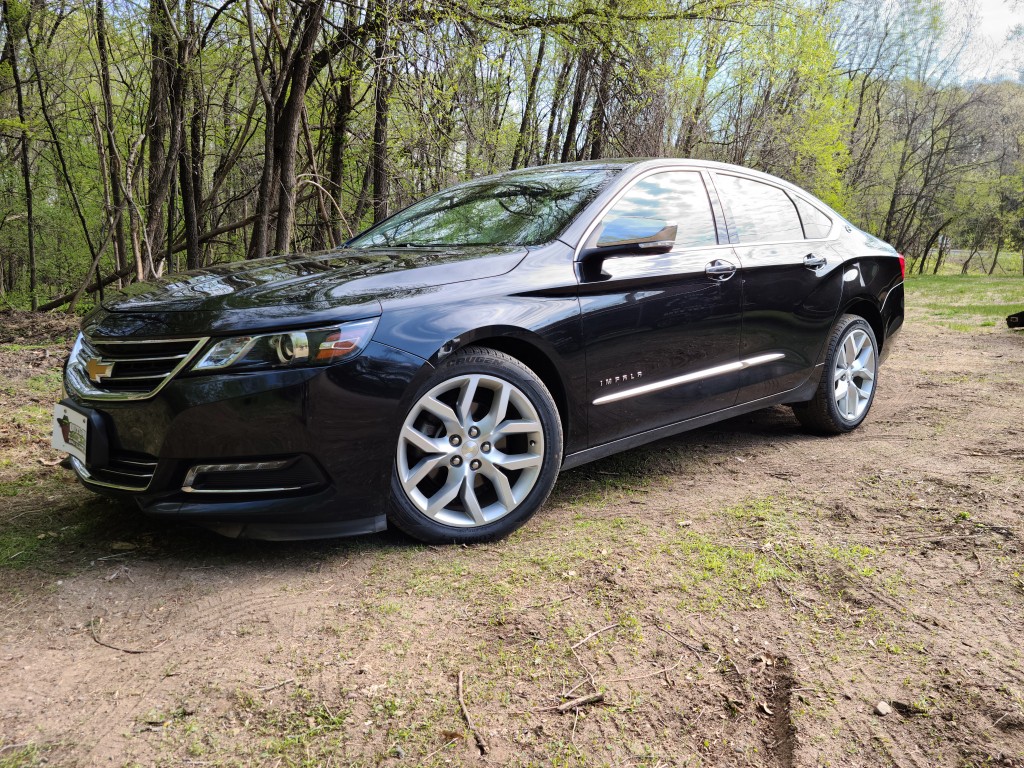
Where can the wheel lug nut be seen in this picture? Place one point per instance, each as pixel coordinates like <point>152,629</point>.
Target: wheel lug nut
<point>455,440</point>
<point>456,461</point>
<point>474,464</point>
<point>474,432</point>
<point>486,447</point>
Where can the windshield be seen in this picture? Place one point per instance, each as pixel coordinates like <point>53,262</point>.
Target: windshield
<point>517,209</point>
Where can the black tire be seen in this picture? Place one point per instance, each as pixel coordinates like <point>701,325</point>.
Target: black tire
<point>490,376</point>
<point>823,414</point>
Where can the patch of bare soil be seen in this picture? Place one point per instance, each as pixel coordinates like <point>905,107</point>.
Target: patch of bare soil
<point>741,595</point>
<point>21,327</point>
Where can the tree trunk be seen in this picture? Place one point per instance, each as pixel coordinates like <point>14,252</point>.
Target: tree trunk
<point>599,115</point>
<point>26,169</point>
<point>190,161</point>
<point>114,213</point>
<point>190,175</point>
<point>336,161</point>
<point>579,94</point>
<point>995,256</point>
<point>531,102</point>
<point>163,125</point>
<point>286,135</point>
<point>379,155</point>
<point>556,100</point>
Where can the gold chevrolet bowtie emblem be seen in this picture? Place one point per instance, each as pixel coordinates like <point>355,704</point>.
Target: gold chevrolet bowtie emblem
<point>98,370</point>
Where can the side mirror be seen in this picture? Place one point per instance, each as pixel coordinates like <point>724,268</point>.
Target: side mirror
<point>631,235</point>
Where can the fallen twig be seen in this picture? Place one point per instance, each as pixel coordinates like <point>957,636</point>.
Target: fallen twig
<point>480,743</point>
<point>582,701</point>
<point>282,684</point>
<point>792,597</point>
<point>679,640</point>
<point>92,634</point>
<point>545,604</point>
<point>648,674</point>
<point>1005,715</point>
<point>439,749</point>
<point>595,633</point>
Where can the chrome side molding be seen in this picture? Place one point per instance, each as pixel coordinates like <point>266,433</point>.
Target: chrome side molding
<point>688,378</point>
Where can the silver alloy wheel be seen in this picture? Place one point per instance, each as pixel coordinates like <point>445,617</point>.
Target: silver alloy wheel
<point>854,374</point>
<point>470,450</point>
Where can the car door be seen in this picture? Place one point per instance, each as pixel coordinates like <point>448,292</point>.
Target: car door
<point>791,282</point>
<point>659,328</point>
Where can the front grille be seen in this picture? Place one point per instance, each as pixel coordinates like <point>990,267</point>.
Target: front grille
<point>127,370</point>
<point>124,471</point>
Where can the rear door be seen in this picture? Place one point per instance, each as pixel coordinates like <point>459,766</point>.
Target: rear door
<point>657,327</point>
<point>791,281</point>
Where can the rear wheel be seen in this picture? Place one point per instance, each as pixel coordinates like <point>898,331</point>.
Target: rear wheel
<point>478,452</point>
<point>847,386</point>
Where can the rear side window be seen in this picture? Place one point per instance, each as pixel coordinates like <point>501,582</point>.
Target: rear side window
<point>816,223</point>
<point>672,197</point>
<point>759,212</point>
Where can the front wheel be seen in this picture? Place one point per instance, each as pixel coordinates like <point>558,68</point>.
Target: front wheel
<point>847,386</point>
<point>478,452</point>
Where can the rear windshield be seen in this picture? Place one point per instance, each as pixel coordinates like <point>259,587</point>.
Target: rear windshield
<point>518,209</point>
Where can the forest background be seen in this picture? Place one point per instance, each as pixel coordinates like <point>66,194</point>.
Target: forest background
<point>143,138</point>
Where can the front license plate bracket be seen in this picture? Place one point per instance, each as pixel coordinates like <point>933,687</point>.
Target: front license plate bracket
<point>97,449</point>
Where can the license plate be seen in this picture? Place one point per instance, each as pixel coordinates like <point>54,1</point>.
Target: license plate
<point>70,431</point>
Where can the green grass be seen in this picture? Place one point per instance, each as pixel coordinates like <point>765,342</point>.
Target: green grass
<point>967,303</point>
<point>19,756</point>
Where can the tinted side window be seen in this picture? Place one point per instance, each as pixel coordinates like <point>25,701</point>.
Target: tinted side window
<point>816,223</point>
<point>759,212</point>
<point>673,197</point>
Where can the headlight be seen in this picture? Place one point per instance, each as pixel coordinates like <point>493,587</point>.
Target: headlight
<point>320,346</point>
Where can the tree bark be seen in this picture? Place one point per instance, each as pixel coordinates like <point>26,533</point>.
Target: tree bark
<point>525,129</point>
<point>379,155</point>
<point>286,134</point>
<point>161,121</point>
<point>26,169</point>
<point>598,116</point>
<point>114,214</point>
<point>579,94</point>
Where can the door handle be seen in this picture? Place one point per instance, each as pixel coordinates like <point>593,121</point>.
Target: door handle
<point>720,270</point>
<point>813,261</point>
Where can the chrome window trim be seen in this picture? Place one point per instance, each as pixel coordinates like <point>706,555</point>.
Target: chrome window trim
<point>713,170</point>
<point>79,386</point>
<point>789,194</point>
<point>688,378</point>
<point>629,186</point>
<point>831,220</point>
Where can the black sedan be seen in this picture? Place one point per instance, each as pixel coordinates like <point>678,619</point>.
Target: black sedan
<point>438,371</point>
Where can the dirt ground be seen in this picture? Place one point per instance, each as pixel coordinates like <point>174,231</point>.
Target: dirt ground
<point>741,595</point>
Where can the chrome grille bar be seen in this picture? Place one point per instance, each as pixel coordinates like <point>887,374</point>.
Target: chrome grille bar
<point>137,368</point>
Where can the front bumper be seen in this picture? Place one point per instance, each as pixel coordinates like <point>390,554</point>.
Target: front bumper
<point>327,433</point>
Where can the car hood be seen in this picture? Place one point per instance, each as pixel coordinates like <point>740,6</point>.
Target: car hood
<point>291,290</point>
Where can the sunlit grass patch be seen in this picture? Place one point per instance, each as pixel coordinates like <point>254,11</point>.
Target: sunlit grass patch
<point>711,573</point>
<point>966,303</point>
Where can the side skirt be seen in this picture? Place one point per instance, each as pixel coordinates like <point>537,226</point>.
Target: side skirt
<point>801,394</point>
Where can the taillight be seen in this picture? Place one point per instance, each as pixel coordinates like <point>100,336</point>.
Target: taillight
<point>903,265</point>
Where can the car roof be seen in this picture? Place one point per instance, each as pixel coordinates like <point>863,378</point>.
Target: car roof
<point>642,163</point>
